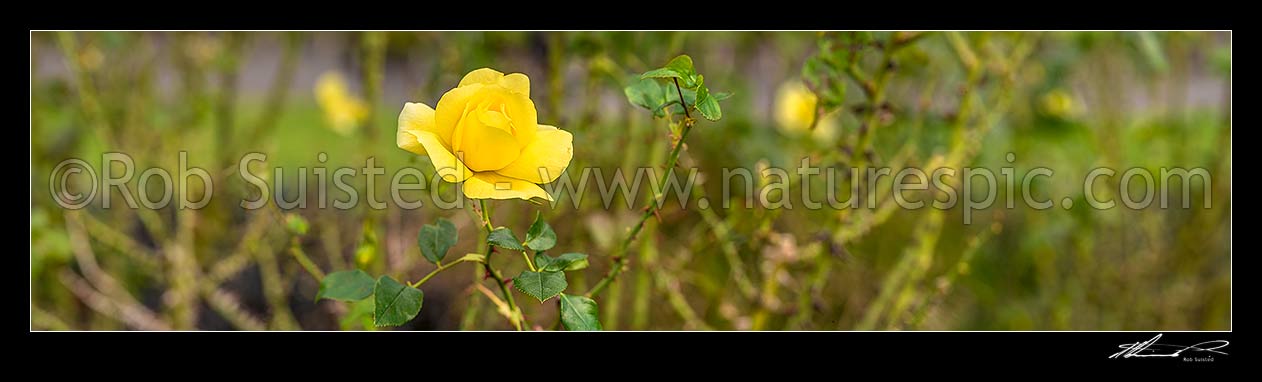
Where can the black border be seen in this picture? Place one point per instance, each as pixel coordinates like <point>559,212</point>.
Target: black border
<point>828,352</point>
<point>804,351</point>
<point>837,15</point>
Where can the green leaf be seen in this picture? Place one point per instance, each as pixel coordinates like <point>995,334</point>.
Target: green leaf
<point>565,262</point>
<point>579,313</point>
<point>672,95</point>
<point>831,97</point>
<point>540,237</point>
<point>540,285</point>
<point>645,93</point>
<point>662,73</point>
<point>721,96</point>
<point>345,286</point>
<point>436,239</point>
<point>682,64</point>
<point>811,70</point>
<point>396,304</point>
<point>679,67</point>
<point>707,105</point>
<point>504,238</point>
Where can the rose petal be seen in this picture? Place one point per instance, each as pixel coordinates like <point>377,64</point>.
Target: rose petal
<point>414,117</point>
<point>481,76</point>
<point>451,107</point>
<point>517,82</point>
<point>488,185</point>
<point>446,164</point>
<point>482,147</point>
<point>543,160</point>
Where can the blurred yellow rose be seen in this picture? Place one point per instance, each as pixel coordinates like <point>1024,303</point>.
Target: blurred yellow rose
<point>484,133</point>
<point>342,110</point>
<point>795,111</point>
<point>1058,103</point>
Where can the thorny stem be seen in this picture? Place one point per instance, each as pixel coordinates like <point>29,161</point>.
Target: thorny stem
<point>619,255</point>
<point>892,302</point>
<point>875,90</point>
<point>485,217</point>
<point>470,316</point>
<point>770,287</point>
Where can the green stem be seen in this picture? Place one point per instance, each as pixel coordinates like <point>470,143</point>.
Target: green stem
<point>499,281</point>
<point>529,263</point>
<point>296,250</point>
<point>770,286</point>
<point>619,255</point>
<point>681,99</point>
<point>441,267</point>
<point>471,320</point>
<point>373,54</point>
<point>875,90</point>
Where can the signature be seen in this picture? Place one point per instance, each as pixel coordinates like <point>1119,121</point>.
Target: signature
<point>1151,348</point>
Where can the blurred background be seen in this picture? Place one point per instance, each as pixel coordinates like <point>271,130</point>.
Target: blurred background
<point>1069,101</point>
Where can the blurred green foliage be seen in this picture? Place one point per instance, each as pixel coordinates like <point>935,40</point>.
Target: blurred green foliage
<point>1080,100</point>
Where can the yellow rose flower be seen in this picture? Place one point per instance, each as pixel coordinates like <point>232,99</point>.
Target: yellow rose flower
<point>1058,103</point>
<point>484,133</point>
<point>795,110</point>
<point>343,111</point>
